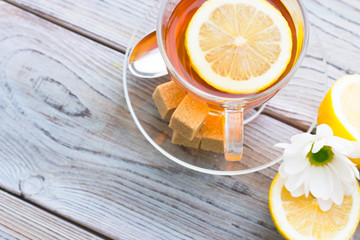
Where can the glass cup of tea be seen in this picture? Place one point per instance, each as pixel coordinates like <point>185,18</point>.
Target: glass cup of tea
<point>171,28</point>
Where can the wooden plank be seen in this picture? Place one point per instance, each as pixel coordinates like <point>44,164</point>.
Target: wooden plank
<point>114,24</point>
<point>69,144</point>
<point>337,21</point>
<point>109,22</point>
<point>21,220</point>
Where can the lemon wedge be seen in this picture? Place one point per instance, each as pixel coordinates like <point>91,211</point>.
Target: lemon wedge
<point>340,109</point>
<point>238,46</point>
<point>300,218</point>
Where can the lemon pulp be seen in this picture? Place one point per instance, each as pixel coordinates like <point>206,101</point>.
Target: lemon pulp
<point>239,46</point>
<point>299,218</point>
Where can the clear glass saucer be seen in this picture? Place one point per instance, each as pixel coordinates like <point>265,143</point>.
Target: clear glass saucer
<point>295,105</point>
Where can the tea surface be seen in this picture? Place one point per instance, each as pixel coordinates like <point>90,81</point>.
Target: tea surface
<point>176,51</point>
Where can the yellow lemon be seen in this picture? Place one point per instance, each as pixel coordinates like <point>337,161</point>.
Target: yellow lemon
<point>238,46</point>
<point>300,218</point>
<point>340,109</point>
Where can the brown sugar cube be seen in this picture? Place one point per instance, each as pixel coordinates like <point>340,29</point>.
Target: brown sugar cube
<point>213,134</point>
<point>188,117</point>
<point>167,97</point>
<point>179,139</point>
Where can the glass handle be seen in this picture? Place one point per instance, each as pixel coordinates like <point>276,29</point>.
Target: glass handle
<point>233,134</point>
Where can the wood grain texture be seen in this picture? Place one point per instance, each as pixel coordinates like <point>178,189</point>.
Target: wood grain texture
<point>338,26</point>
<point>334,23</point>
<point>20,220</point>
<point>337,22</point>
<point>69,144</point>
<point>109,22</point>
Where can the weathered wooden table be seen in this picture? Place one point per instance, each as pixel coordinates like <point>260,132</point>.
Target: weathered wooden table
<point>72,162</point>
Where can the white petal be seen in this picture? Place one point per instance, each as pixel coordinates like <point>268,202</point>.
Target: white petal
<point>343,170</point>
<point>281,145</point>
<point>352,166</point>
<point>329,185</point>
<point>290,183</point>
<point>349,148</point>
<point>298,192</point>
<point>303,138</point>
<point>315,183</point>
<point>324,204</point>
<point>293,159</point>
<point>355,152</point>
<point>318,183</point>
<point>324,131</point>
<point>339,144</point>
<point>306,184</point>
<point>337,194</point>
<point>318,145</point>
<point>307,149</point>
<point>282,171</point>
<point>297,166</point>
<point>349,163</point>
<point>293,182</point>
<point>291,151</point>
<point>355,170</point>
<point>349,189</point>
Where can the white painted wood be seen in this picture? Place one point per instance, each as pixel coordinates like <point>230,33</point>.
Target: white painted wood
<point>110,22</point>
<point>68,143</point>
<point>335,24</point>
<point>21,220</point>
<point>336,21</point>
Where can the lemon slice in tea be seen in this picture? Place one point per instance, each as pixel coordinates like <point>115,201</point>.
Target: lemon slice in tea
<point>238,46</point>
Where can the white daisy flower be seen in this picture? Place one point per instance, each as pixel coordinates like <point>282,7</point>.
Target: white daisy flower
<point>319,164</point>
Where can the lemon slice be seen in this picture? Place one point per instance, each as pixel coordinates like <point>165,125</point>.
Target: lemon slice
<point>340,109</point>
<point>300,218</point>
<point>238,46</point>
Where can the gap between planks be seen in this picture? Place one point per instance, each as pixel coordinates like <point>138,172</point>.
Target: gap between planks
<point>85,34</point>
<point>56,215</point>
<point>70,27</point>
